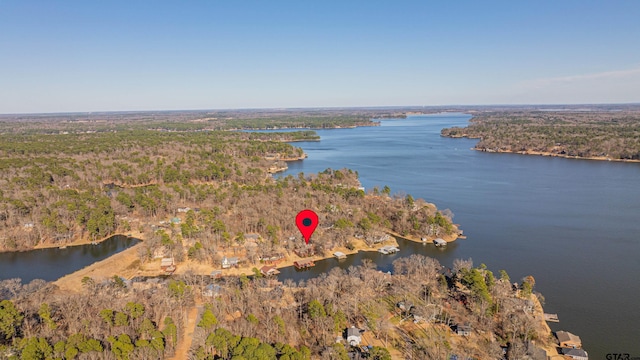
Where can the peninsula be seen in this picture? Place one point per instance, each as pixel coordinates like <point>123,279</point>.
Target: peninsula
<point>602,133</point>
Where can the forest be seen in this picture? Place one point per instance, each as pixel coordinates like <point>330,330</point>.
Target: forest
<point>604,134</point>
<point>422,311</point>
<point>192,185</point>
<point>60,187</point>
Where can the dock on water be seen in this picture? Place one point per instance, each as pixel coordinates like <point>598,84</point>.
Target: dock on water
<point>389,249</point>
<point>551,317</point>
<point>304,264</point>
<point>339,255</point>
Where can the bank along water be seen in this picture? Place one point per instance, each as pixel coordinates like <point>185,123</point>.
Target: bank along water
<point>53,263</point>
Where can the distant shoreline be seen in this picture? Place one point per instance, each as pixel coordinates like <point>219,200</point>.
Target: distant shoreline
<point>550,154</point>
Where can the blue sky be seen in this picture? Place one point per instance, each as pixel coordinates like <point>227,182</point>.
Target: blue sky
<point>67,56</point>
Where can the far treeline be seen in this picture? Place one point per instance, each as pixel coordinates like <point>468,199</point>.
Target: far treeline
<point>55,188</point>
<point>585,134</point>
<point>191,120</point>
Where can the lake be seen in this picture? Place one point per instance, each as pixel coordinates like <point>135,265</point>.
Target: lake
<point>54,263</point>
<point>572,224</point>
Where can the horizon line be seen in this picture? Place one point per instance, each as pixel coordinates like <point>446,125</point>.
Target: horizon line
<point>319,108</point>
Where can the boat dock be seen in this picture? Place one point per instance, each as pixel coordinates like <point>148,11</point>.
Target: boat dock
<point>551,317</point>
<point>439,242</point>
<point>389,249</point>
<point>304,264</point>
<point>339,255</point>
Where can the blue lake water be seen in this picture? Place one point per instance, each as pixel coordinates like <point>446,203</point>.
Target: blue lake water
<point>54,263</point>
<point>572,224</point>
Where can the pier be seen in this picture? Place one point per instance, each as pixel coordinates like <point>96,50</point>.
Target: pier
<point>551,317</point>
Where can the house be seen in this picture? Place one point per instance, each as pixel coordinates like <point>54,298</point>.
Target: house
<point>354,336</point>
<point>568,340</point>
<point>183,209</point>
<point>269,271</point>
<point>272,258</point>
<point>577,354</point>
<point>229,262</point>
<point>175,220</point>
<point>168,265</point>
<point>212,290</point>
<point>464,330</point>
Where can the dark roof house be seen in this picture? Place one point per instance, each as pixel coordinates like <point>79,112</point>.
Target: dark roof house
<point>577,354</point>
<point>568,340</point>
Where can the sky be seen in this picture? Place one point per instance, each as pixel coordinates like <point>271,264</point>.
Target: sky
<point>81,56</point>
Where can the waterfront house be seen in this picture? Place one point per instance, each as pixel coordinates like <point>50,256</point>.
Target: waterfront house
<point>269,270</point>
<point>568,340</point>
<point>576,354</point>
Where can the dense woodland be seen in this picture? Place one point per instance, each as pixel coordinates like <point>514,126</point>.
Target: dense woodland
<point>60,187</point>
<point>190,120</point>
<point>67,178</point>
<point>414,313</point>
<point>613,134</point>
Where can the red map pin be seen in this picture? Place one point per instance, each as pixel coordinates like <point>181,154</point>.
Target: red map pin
<point>307,221</point>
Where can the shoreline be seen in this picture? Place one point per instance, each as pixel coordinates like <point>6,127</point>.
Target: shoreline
<point>550,154</point>
<point>127,265</point>
<point>78,242</point>
<point>448,238</point>
<point>85,241</point>
<point>539,153</point>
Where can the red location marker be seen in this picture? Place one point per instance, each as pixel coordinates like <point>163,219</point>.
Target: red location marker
<point>307,221</point>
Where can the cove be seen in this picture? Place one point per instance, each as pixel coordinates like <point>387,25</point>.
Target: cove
<point>54,263</point>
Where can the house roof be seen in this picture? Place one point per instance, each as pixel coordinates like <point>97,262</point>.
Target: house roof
<point>352,331</point>
<point>574,352</point>
<point>565,336</point>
